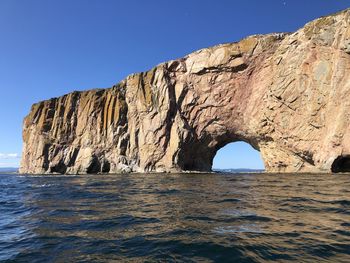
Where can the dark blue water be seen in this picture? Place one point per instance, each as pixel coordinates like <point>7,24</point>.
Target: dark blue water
<point>175,218</point>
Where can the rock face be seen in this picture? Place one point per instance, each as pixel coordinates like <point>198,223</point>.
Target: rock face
<point>288,95</point>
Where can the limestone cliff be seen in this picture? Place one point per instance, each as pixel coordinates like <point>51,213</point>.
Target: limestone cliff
<point>288,95</point>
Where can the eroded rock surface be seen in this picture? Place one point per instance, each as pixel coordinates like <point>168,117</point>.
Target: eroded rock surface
<point>288,95</point>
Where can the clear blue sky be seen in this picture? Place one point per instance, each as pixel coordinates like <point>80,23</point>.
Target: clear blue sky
<point>49,48</point>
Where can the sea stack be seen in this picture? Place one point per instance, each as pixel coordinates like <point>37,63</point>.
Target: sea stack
<point>287,95</point>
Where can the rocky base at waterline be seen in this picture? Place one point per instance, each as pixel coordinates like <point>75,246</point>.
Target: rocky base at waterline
<point>285,94</point>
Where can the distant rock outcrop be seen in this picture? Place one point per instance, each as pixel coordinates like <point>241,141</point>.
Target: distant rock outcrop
<point>287,95</point>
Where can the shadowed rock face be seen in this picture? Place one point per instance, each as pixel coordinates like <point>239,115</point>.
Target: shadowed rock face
<point>285,94</point>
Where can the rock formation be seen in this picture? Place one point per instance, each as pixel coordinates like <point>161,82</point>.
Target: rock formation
<point>287,95</point>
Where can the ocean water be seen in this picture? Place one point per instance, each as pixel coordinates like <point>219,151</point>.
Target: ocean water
<point>175,218</point>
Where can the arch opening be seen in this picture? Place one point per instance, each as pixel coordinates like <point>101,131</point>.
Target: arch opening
<point>341,164</point>
<point>238,156</point>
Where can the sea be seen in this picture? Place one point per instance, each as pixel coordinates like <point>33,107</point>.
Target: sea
<point>215,217</point>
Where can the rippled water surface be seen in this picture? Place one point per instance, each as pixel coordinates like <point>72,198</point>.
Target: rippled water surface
<point>175,218</point>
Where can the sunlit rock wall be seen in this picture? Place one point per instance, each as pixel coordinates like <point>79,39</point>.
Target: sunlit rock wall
<point>285,94</point>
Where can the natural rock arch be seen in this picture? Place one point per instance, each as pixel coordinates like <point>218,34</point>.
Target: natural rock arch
<point>238,155</point>
<point>200,157</point>
<point>278,92</point>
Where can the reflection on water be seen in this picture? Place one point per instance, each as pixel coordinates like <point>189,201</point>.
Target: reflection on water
<point>169,217</point>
